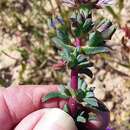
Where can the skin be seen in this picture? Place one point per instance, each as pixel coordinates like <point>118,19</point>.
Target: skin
<point>21,109</point>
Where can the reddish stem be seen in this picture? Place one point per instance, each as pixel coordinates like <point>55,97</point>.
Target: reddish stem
<point>74,84</point>
<point>74,79</point>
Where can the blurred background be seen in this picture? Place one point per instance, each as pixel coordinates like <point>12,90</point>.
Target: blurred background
<point>27,55</point>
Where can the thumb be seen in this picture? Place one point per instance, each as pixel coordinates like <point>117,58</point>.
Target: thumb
<point>50,119</point>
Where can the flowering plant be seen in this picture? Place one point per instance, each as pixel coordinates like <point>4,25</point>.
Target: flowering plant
<point>86,37</point>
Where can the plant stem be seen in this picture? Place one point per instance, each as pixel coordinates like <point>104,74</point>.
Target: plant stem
<point>74,79</point>
<point>74,72</point>
<point>74,84</point>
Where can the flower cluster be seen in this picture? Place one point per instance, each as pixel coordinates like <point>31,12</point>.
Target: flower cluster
<point>101,3</point>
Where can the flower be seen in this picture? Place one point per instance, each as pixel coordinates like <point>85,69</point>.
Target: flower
<point>106,28</point>
<point>100,3</point>
<point>109,128</point>
<point>69,3</point>
<point>105,2</point>
<point>57,21</point>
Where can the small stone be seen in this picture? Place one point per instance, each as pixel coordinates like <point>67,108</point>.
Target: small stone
<point>109,105</point>
<point>112,116</point>
<point>99,90</point>
<point>126,102</point>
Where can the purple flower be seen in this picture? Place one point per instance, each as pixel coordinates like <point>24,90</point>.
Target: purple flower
<point>57,21</point>
<point>109,128</point>
<point>105,2</point>
<point>69,3</point>
<point>106,28</point>
<point>72,3</point>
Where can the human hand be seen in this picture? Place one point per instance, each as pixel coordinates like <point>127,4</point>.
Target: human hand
<point>21,109</point>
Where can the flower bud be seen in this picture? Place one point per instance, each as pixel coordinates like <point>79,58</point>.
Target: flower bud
<point>100,3</point>
<point>104,24</point>
<point>55,23</point>
<point>107,34</point>
<point>106,28</point>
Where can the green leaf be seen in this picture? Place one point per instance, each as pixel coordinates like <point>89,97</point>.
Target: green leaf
<point>63,35</point>
<point>96,39</point>
<point>91,101</point>
<point>97,105</point>
<point>65,55</point>
<point>66,108</point>
<point>65,90</point>
<point>90,94</point>
<point>73,61</point>
<point>85,64</point>
<point>78,30</point>
<point>60,44</point>
<point>81,58</point>
<point>84,27</point>
<point>80,94</point>
<point>94,50</point>
<point>86,71</point>
<point>87,26</point>
<point>86,9</point>
<point>82,84</point>
<point>54,95</point>
<point>81,119</point>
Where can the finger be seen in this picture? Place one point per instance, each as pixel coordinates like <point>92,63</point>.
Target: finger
<point>18,102</point>
<point>45,119</point>
<point>29,122</point>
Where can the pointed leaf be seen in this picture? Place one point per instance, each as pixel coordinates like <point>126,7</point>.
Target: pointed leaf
<point>91,101</point>
<point>81,119</point>
<point>86,71</point>
<point>100,107</point>
<point>66,108</point>
<point>85,64</point>
<point>60,44</point>
<point>96,39</point>
<point>80,94</point>
<point>54,95</point>
<point>94,50</point>
<point>87,26</point>
<point>90,94</point>
<point>65,90</point>
<point>65,55</point>
<point>84,86</point>
<point>81,58</point>
<point>80,82</point>
<point>63,35</point>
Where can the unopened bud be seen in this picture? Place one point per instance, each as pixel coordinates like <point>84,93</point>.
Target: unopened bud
<point>107,34</point>
<point>104,25</point>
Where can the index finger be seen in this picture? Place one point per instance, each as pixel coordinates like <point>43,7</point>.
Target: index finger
<point>18,102</point>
